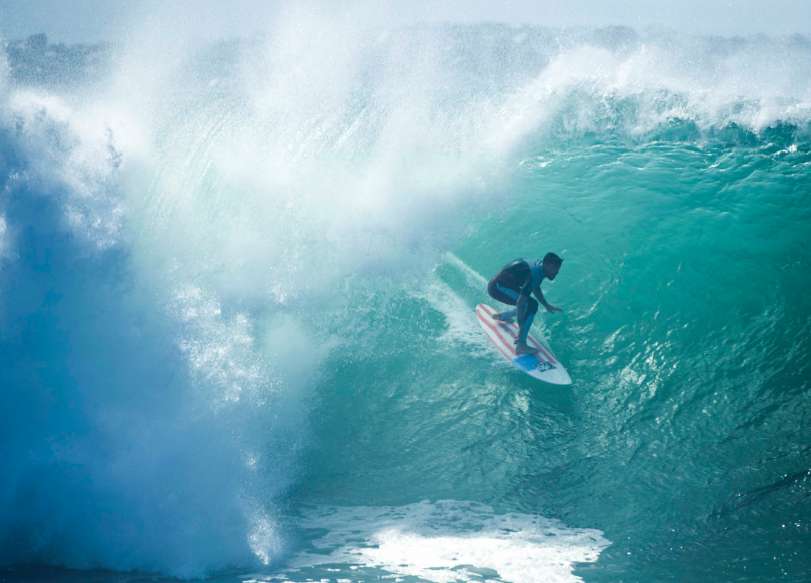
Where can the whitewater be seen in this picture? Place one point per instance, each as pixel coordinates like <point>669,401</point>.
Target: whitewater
<point>237,282</point>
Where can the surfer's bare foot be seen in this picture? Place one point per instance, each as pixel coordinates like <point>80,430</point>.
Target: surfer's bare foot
<point>522,348</point>
<point>502,318</point>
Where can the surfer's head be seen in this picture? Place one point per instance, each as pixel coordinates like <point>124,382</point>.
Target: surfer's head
<point>551,265</point>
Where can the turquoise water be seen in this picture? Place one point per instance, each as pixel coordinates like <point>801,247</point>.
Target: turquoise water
<point>237,297</point>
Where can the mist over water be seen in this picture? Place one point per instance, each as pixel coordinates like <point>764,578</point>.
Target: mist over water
<point>236,293</point>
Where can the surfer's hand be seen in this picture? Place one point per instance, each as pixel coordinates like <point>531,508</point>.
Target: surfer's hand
<point>551,308</point>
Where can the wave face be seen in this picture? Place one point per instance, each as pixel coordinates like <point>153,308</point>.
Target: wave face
<point>236,292</point>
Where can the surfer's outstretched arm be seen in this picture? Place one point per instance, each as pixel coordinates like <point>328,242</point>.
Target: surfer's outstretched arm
<point>539,294</point>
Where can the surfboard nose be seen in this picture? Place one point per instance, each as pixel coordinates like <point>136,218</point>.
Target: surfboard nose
<point>559,376</point>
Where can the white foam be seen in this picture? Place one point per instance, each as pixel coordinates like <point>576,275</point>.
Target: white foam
<point>461,324</point>
<point>475,279</point>
<point>5,239</point>
<point>450,541</point>
<point>710,81</point>
<point>73,156</point>
<point>220,349</point>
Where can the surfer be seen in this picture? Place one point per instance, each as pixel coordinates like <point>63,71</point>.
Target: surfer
<point>515,284</point>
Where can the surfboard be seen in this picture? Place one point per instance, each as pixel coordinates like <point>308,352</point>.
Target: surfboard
<point>542,366</point>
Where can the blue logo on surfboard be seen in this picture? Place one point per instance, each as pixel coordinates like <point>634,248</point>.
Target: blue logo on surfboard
<point>528,362</point>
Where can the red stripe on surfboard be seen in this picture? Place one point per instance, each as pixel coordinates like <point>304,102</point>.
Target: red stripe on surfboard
<point>491,311</point>
<point>491,324</point>
<point>499,345</point>
<point>497,327</point>
<point>500,341</point>
<point>537,344</point>
<point>505,353</point>
<point>541,347</point>
<point>504,341</point>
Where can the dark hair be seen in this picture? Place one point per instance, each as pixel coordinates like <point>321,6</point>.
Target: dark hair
<point>552,258</point>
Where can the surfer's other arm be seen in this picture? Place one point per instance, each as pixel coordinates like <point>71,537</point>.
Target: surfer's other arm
<point>550,266</point>
<point>549,307</point>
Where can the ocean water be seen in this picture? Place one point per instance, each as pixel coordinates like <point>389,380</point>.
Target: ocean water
<point>237,283</point>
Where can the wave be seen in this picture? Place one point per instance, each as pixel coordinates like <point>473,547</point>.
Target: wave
<point>179,232</point>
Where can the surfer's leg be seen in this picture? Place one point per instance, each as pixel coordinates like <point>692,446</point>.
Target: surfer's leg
<point>507,316</point>
<point>504,295</point>
<point>527,308</point>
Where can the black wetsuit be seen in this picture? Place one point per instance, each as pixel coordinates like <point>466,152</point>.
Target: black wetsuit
<point>517,278</point>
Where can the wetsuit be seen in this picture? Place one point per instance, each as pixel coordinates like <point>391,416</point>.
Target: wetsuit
<point>517,278</point>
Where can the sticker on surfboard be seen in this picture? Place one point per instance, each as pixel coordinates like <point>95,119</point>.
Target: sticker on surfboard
<point>543,365</point>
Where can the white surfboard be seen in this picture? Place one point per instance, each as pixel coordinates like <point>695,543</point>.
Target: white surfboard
<point>542,366</point>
